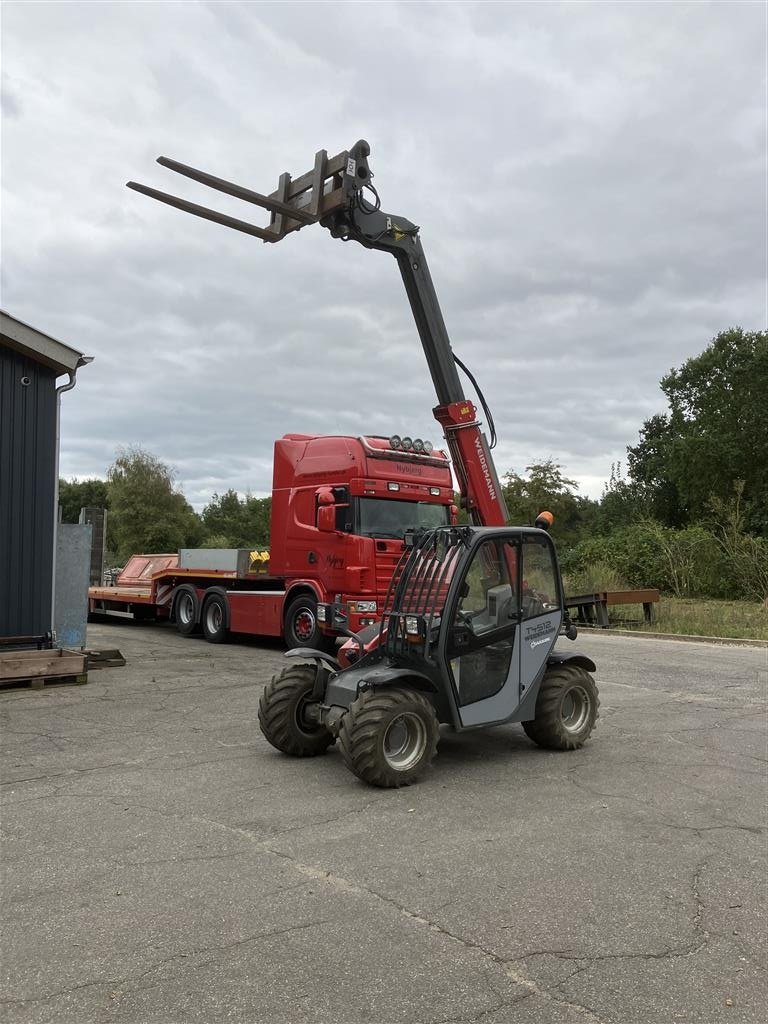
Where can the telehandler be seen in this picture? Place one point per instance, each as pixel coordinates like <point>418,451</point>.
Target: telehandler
<point>470,620</point>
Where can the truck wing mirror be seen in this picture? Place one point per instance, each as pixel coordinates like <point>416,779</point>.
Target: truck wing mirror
<point>326,518</point>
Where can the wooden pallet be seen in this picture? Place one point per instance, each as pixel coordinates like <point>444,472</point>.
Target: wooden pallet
<point>111,658</point>
<point>37,669</point>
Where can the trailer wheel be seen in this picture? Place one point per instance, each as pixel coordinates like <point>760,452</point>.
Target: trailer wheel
<point>566,709</point>
<point>301,626</point>
<point>389,737</point>
<point>214,619</point>
<point>283,714</point>
<point>186,610</point>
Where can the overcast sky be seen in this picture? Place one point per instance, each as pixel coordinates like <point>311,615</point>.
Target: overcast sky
<point>589,180</point>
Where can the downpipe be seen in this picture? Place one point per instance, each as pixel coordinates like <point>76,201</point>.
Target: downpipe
<point>82,361</point>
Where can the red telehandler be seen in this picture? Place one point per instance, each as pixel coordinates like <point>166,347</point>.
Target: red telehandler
<point>472,613</point>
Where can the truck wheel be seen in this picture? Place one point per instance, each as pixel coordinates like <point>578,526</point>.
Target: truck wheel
<point>186,610</point>
<point>566,709</point>
<point>214,619</point>
<point>389,737</point>
<point>282,714</point>
<point>301,628</point>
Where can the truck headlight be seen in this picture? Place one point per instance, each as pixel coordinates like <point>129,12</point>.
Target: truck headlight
<point>412,625</point>
<point>362,606</point>
<point>322,613</point>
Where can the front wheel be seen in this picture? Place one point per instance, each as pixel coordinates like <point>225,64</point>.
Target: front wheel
<point>301,625</point>
<point>566,709</point>
<point>283,714</point>
<point>389,737</point>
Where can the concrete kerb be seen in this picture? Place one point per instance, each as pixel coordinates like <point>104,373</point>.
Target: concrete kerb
<point>687,638</point>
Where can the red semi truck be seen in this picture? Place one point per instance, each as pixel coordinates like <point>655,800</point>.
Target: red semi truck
<point>340,508</point>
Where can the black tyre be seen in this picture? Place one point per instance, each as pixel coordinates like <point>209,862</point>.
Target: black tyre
<point>186,610</point>
<point>389,737</point>
<point>301,626</point>
<point>214,619</point>
<point>566,709</point>
<point>282,714</point>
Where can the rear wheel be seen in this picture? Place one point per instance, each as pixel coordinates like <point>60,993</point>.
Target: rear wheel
<point>301,626</point>
<point>186,610</point>
<point>283,714</point>
<point>566,709</point>
<point>214,619</point>
<point>389,737</point>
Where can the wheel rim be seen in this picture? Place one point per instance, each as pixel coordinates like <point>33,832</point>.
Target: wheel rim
<point>214,617</point>
<point>405,741</point>
<point>575,709</point>
<point>185,609</point>
<point>304,624</point>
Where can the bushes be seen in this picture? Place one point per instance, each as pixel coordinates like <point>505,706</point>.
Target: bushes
<point>686,562</point>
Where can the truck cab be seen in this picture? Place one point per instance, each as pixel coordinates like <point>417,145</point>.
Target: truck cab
<point>340,509</point>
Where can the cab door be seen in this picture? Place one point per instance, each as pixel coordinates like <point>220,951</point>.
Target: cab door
<point>541,605</point>
<point>483,636</point>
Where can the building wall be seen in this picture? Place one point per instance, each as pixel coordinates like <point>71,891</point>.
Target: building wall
<point>27,493</point>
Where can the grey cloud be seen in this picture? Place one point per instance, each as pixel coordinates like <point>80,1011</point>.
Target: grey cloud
<point>589,181</point>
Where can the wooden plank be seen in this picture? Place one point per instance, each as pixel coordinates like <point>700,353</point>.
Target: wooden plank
<point>39,682</point>
<point>40,664</point>
<point>631,596</point>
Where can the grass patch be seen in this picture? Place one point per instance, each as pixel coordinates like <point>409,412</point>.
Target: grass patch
<point>697,617</point>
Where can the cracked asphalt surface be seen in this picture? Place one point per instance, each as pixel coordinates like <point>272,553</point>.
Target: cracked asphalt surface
<point>161,863</point>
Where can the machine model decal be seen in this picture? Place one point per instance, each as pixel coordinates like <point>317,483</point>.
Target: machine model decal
<point>539,629</point>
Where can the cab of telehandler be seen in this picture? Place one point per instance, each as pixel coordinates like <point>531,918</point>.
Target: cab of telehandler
<point>466,640</point>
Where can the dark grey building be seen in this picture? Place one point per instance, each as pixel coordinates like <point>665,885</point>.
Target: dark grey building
<point>30,364</point>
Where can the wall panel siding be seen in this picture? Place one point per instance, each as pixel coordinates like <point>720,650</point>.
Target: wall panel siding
<point>27,493</point>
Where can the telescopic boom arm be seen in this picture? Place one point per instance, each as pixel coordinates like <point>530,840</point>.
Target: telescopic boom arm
<point>333,193</point>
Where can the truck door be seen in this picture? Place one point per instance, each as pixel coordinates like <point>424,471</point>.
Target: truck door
<point>484,634</point>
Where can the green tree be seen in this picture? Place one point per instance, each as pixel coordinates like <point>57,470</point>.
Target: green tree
<point>745,556</point>
<point>148,513</point>
<point>714,433</point>
<point>241,522</point>
<point>545,488</point>
<point>77,494</point>
<point>623,502</point>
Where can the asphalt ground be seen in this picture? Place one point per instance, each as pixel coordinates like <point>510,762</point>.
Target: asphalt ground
<point>162,863</point>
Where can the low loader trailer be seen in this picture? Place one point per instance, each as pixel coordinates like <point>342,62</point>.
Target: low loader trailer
<point>341,507</point>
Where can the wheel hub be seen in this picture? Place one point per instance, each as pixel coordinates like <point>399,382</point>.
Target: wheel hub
<point>304,624</point>
<point>575,709</point>
<point>185,609</point>
<point>404,741</point>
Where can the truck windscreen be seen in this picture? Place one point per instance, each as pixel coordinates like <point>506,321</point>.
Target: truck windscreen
<point>383,517</point>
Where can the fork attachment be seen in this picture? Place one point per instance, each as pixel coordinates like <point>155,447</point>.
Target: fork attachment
<point>328,187</point>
